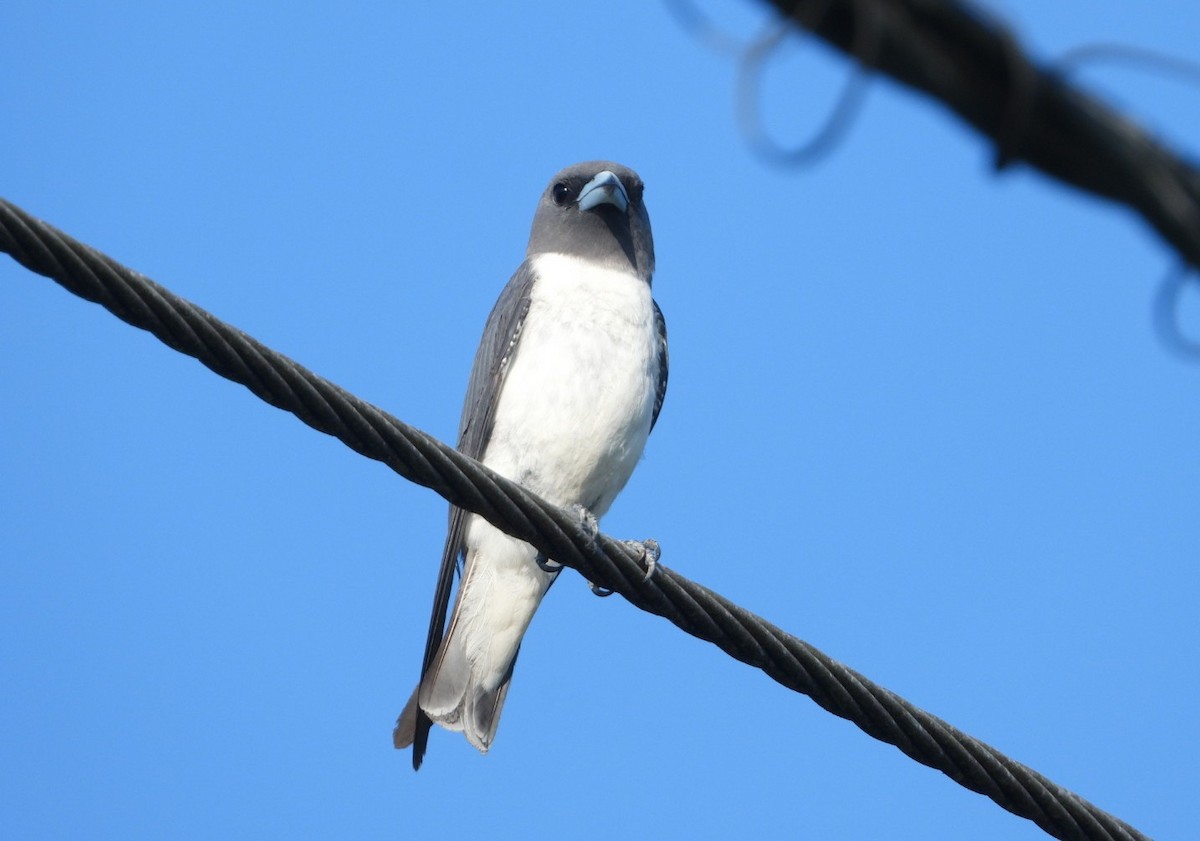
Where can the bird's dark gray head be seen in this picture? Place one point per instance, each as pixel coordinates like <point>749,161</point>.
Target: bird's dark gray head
<point>594,210</point>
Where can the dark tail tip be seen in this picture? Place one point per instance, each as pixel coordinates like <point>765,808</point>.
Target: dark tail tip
<point>421,739</point>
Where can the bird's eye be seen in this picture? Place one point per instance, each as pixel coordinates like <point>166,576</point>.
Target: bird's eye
<point>562,193</point>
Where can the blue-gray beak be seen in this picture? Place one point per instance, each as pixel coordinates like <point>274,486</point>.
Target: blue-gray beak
<point>605,188</point>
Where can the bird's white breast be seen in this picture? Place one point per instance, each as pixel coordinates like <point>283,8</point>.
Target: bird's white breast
<point>575,409</point>
<point>572,420</point>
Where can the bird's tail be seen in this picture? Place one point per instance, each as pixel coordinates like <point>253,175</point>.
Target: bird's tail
<point>452,695</point>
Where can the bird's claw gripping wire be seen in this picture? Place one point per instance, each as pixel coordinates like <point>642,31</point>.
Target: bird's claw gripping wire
<point>547,565</point>
<point>650,552</point>
<point>590,525</point>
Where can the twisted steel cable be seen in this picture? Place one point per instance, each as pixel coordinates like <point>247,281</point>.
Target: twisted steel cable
<point>558,534</point>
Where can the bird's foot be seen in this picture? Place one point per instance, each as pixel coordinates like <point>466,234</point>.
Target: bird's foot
<point>601,592</point>
<point>650,552</point>
<point>590,525</point>
<point>587,520</point>
<point>547,565</point>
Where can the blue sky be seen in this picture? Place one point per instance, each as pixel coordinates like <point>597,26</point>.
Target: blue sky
<point>918,416</point>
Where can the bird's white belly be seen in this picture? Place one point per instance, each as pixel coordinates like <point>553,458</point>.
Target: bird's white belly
<point>571,423</point>
<point>576,406</point>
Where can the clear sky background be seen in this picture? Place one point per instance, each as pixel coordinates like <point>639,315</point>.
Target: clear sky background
<point>918,416</point>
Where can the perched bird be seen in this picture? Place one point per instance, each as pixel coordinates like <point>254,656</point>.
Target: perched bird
<point>567,383</point>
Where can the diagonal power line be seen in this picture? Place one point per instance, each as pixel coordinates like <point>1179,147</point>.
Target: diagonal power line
<point>954,52</point>
<point>464,482</point>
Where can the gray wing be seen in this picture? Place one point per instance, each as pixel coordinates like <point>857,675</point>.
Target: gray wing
<point>660,388</point>
<point>496,349</point>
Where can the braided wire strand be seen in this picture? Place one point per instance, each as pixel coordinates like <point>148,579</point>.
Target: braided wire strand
<point>558,534</point>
